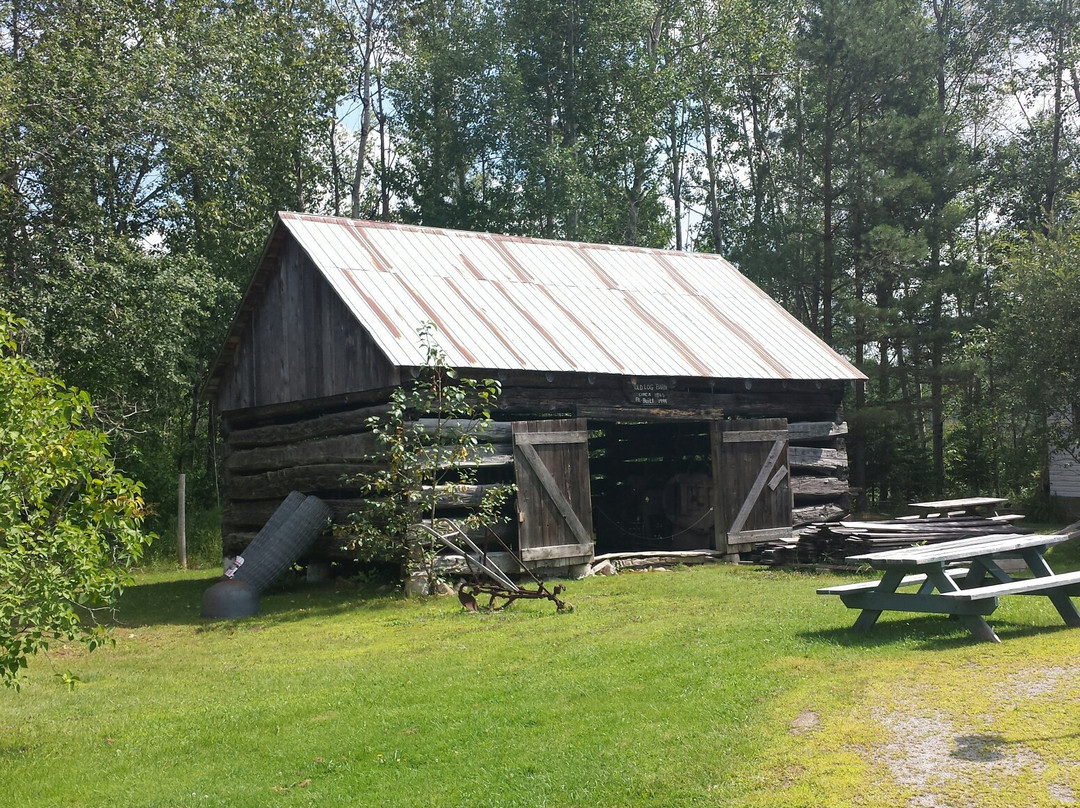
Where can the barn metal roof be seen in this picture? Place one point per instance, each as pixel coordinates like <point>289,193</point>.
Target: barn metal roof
<point>503,302</point>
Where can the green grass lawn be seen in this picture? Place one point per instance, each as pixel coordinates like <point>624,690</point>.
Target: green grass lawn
<point>710,686</point>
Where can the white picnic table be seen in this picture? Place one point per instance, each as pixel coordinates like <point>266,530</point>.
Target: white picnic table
<point>960,577</point>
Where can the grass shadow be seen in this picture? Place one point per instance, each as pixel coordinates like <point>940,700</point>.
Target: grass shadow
<point>178,602</point>
<point>927,632</point>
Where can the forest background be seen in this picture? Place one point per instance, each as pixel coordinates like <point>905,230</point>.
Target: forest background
<point>903,176</point>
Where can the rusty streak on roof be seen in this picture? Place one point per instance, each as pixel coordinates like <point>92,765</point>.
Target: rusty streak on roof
<point>504,302</point>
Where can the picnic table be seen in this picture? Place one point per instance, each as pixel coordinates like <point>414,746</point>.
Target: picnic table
<point>961,578</point>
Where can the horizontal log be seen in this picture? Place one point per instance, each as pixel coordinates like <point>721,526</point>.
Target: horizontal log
<point>245,514</point>
<point>310,479</point>
<point>484,431</point>
<point>809,489</point>
<point>338,423</point>
<point>816,430</point>
<point>254,513</point>
<point>327,547</point>
<point>292,410</point>
<point>462,496</point>
<point>808,405</point>
<point>483,456</point>
<point>355,448</point>
<point>809,514</point>
<point>805,457</point>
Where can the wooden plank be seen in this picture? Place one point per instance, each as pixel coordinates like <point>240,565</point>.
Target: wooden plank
<point>907,580</point>
<point>597,404</point>
<point>675,555</point>
<point>778,478</point>
<point>759,484</point>
<point>939,603</point>
<point>551,488</point>
<point>755,536</point>
<point>755,435</point>
<point>550,438</point>
<point>559,551</point>
<point>719,490</point>
<point>956,550</point>
<point>1025,586</point>
<point>617,413</point>
<point>965,502</point>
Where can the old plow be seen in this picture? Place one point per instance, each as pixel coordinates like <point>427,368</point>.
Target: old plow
<point>485,577</point>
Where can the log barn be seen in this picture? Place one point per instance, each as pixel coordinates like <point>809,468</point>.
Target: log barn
<point>650,399</point>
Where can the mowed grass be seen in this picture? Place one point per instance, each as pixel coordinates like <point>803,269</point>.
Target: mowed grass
<point>706,686</point>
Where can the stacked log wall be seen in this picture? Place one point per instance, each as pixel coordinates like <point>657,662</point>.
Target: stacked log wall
<point>819,471</point>
<point>327,454</point>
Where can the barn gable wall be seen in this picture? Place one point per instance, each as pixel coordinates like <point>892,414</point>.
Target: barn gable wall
<point>300,342</point>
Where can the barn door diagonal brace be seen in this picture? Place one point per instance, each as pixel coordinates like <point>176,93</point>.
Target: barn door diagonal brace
<point>549,484</point>
<point>759,484</point>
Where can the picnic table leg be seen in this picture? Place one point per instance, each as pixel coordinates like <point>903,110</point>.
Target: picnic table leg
<point>1040,569</point>
<point>974,623</point>
<point>888,584</point>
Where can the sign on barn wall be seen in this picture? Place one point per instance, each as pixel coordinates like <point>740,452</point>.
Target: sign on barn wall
<point>551,465</point>
<point>753,481</point>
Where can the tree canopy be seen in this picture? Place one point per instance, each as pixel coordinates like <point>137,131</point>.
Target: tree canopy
<point>864,161</point>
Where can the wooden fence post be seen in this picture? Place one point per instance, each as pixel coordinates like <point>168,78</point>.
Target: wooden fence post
<point>181,520</point>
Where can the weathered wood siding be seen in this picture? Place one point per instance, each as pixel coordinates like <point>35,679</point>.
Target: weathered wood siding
<point>554,498</point>
<point>299,342</point>
<point>819,471</point>
<point>1065,481</point>
<point>270,453</point>
<point>753,486</point>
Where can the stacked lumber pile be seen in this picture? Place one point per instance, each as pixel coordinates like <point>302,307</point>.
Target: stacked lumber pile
<point>831,543</point>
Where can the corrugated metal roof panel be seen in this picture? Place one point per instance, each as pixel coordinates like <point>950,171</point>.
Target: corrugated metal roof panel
<point>524,304</point>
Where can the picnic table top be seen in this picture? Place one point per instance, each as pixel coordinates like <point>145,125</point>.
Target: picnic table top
<point>956,550</point>
<point>966,502</point>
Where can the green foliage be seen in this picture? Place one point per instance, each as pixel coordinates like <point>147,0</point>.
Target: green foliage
<point>69,522</point>
<point>144,148</point>
<point>420,463</point>
<point>1033,353</point>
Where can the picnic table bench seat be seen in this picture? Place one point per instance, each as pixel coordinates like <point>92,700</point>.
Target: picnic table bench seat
<point>1024,586</point>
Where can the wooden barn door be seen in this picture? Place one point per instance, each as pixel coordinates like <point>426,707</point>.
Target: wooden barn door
<point>753,481</point>
<point>551,464</point>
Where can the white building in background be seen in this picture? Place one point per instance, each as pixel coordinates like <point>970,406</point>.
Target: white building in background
<point>1065,481</point>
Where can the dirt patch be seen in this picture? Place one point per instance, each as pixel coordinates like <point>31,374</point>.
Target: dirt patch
<point>945,763</point>
<point>1040,682</point>
<point>805,721</point>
